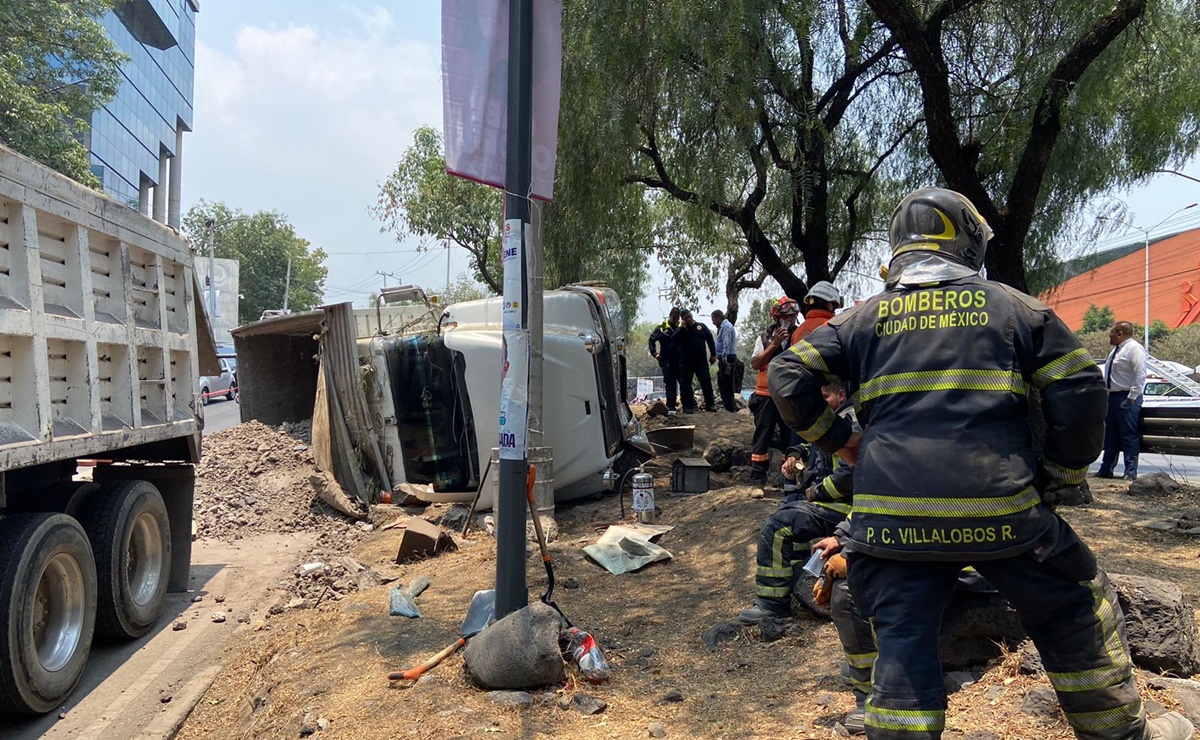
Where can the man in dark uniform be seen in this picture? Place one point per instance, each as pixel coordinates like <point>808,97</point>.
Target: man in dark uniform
<point>662,347</point>
<point>939,366</point>
<point>697,352</point>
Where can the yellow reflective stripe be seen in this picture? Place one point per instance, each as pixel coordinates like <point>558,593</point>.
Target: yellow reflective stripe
<point>1106,719</point>
<point>946,507</point>
<point>924,381</point>
<point>1067,365</point>
<point>1105,609</point>
<point>775,572</point>
<point>1074,476</point>
<point>781,536</point>
<point>844,509</point>
<point>773,592</point>
<point>819,428</point>
<point>911,720</point>
<point>861,660</point>
<point>1091,679</point>
<point>863,686</point>
<point>831,489</point>
<point>809,355</point>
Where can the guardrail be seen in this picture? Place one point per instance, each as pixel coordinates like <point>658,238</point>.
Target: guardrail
<point>1170,430</point>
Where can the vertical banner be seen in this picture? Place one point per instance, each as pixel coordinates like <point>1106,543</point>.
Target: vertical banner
<point>475,90</point>
<point>514,374</point>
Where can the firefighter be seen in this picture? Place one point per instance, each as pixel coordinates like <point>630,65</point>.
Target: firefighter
<point>783,543</point>
<point>940,366</point>
<point>664,348</point>
<point>768,427</point>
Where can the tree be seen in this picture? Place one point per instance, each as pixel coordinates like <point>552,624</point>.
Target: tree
<point>57,67</point>
<point>751,326</point>
<point>421,199</point>
<point>1182,346</point>
<point>1032,107</point>
<point>463,288</point>
<point>1097,319</point>
<point>752,126</point>
<point>638,362</point>
<point>262,243</point>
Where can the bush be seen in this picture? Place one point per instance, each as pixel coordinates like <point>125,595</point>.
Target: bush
<point>1182,346</point>
<point>1096,343</point>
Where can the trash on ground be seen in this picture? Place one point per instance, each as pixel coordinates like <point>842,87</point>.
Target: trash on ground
<point>401,604</point>
<point>626,547</point>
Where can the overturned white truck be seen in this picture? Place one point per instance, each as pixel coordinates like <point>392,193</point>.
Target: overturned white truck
<point>432,389</point>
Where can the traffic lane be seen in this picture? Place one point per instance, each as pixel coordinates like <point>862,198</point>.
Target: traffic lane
<point>146,688</point>
<point>220,415</point>
<point>1182,468</point>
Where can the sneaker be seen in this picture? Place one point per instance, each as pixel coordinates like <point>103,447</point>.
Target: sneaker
<point>763,609</point>
<point>1170,726</point>
<point>672,412</point>
<point>1130,476</point>
<point>856,722</point>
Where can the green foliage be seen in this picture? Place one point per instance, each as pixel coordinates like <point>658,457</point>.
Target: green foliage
<point>419,198</point>
<point>1181,345</point>
<point>1096,343</point>
<point>57,67</point>
<point>1097,319</point>
<point>262,243</point>
<point>749,326</point>
<point>463,288</point>
<point>638,362</point>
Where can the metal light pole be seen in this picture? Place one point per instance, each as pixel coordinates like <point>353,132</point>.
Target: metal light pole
<point>512,592</point>
<point>287,285</point>
<point>1146,245</point>
<point>211,225</point>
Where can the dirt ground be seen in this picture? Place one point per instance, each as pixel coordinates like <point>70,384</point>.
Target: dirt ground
<point>331,662</point>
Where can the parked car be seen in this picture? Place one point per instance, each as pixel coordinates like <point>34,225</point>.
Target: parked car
<point>225,384</point>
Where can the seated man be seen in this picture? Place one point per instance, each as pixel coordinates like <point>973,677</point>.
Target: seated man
<point>783,543</point>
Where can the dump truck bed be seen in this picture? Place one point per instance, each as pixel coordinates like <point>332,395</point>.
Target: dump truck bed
<point>98,330</point>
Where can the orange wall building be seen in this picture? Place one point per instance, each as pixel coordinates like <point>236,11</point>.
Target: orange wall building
<point>1120,283</point>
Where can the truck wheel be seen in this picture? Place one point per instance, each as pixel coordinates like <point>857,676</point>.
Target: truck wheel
<point>48,588</point>
<point>204,399</point>
<point>131,538</point>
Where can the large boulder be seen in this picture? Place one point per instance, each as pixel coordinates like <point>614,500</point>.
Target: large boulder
<point>973,628</point>
<point>723,454</point>
<point>1154,485</point>
<point>520,651</point>
<point>1161,625</point>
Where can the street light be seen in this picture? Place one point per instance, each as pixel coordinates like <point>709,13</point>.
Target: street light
<point>1146,242</point>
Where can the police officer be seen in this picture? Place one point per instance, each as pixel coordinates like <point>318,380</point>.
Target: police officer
<point>940,365</point>
<point>664,348</point>
<point>697,352</point>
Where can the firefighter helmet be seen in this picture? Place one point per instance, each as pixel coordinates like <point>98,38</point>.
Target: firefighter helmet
<point>824,291</point>
<point>942,221</point>
<point>784,305</point>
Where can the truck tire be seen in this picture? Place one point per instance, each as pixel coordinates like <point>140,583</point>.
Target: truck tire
<point>48,588</point>
<point>131,538</point>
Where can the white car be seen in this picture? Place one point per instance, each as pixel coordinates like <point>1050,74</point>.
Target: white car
<point>217,386</point>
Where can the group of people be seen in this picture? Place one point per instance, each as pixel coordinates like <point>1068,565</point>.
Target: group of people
<point>935,374</point>
<point>685,350</point>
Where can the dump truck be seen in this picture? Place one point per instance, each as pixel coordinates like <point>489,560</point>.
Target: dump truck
<point>100,349</point>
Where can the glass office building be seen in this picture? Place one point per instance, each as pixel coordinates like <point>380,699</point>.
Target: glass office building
<point>136,141</point>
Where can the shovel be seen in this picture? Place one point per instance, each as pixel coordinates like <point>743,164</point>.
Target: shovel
<point>479,615</point>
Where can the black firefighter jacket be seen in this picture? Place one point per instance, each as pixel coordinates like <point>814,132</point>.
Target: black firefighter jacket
<point>940,377</point>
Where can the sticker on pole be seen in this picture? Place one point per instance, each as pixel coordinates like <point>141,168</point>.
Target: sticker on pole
<point>514,395</point>
<point>512,260</point>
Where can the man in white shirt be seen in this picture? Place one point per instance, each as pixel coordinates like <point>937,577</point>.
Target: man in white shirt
<point>1125,376</point>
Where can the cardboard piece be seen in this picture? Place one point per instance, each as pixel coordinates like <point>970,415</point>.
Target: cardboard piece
<point>423,540</point>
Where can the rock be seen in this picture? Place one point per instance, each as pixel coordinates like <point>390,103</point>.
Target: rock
<point>657,729</point>
<point>1041,701</point>
<point>771,629</point>
<point>674,696</point>
<point>322,723</point>
<point>307,729</point>
<point>825,700</point>
<point>368,579</point>
<point>956,680</point>
<point>657,407</point>
<point>1186,692</point>
<point>637,663</point>
<point>720,632</point>
<point>1031,659</point>
<point>723,454</point>
<point>218,617</point>
<point>519,651</point>
<point>758,493</point>
<point>1153,485</point>
<point>180,625</point>
<point>165,698</point>
<point>417,586</point>
<point>1159,525</point>
<point>973,626</point>
<point>454,518</point>
<point>297,603</point>
<point>994,693</point>
<point>981,735</point>
<point>220,599</point>
<point>570,583</point>
<point>350,564</point>
<point>1161,625</point>
<point>587,705</point>
<point>197,599</point>
<point>646,652</point>
<point>511,698</point>
<point>563,702</point>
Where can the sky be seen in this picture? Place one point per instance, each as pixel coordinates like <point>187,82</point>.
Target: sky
<point>304,107</point>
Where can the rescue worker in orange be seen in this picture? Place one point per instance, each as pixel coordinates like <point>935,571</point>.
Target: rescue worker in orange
<point>768,427</point>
